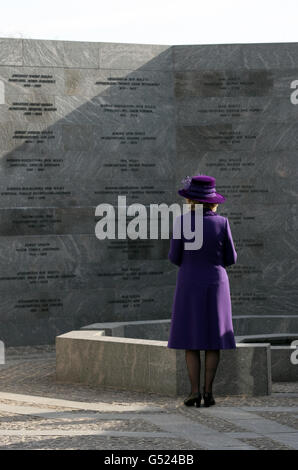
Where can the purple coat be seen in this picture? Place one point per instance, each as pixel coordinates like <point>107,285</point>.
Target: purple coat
<point>202,312</point>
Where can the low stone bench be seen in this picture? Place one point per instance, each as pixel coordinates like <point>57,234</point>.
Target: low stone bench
<point>143,329</point>
<point>283,369</point>
<point>275,330</point>
<point>144,365</point>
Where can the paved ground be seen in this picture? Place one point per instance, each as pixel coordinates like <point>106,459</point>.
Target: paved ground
<point>38,413</point>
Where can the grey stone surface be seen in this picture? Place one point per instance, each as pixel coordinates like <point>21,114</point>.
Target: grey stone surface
<point>268,324</point>
<point>44,53</point>
<point>283,368</point>
<point>150,329</point>
<point>11,51</point>
<point>234,57</point>
<point>82,122</point>
<point>274,339</point>
<point>90,357</point>
<point>243,325</point>
<point>135,56</point>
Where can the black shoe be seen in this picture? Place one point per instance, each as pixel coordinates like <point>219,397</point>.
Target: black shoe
<point>194,399</point>
<point>208,399</point>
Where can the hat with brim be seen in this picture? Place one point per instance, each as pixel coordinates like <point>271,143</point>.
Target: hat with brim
<point>201,188</point>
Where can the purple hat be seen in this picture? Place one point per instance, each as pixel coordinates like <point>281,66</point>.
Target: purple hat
<point>201,188</point>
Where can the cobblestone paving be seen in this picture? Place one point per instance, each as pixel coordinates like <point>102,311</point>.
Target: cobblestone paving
<point>289,419</point>
<point>219,424</point>
<point>95,443</point>
<point>266,444</point>
<point>36,412</point>
<point>11,421</point>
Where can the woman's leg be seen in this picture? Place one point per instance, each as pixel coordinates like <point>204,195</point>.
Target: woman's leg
<point>212,357</point>
<point>193,362</point>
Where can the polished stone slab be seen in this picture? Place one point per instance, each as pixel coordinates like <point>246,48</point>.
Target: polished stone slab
<point>68,193</point>
<point>249,298</point>
<point>128,85</point>
<point>11,51</point>
<point>135,56</point>
<point>88,276</point>
<point>41,108</point>
<point>124,84</point>
<point>20,80</point>
<point>242,135</point>
<point>77,220</point>
<point>30,167</point>
<point>59,309</point>
<point>227,165</point>
<point>199,111</point>
<point>234,57</point>
<point>254,84</point>
<point>21,221</point>
<point>45,53</point>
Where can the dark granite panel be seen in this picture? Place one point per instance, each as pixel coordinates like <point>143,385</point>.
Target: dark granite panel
<point>226,165</point>
<point>262,297</point>
<point>127,85</point>
<point>102,165</point>
<point>223,83</point>
<point>69,193</point>
<point>232,83</point>
<point>243,135</point>
<point>198,111</point>
<point>39,331</point>
<point>207,57</point>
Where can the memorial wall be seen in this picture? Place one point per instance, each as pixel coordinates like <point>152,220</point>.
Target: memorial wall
<point>82,123</point>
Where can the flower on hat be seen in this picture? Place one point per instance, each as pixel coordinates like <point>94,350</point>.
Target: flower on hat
<point>186,182</point>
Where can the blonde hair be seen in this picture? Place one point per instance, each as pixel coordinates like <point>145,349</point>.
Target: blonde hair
<point>207,205</point>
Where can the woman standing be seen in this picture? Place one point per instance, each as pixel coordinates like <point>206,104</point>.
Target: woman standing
<point>202,313</point>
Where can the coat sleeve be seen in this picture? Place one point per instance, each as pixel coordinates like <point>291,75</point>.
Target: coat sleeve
<point>176,245</point>
<point>230,254</point>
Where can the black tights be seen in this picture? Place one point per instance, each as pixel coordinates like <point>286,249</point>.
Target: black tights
<point>193,362</point>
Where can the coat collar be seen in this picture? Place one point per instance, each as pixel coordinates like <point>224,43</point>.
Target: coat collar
<point>207,211</point>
